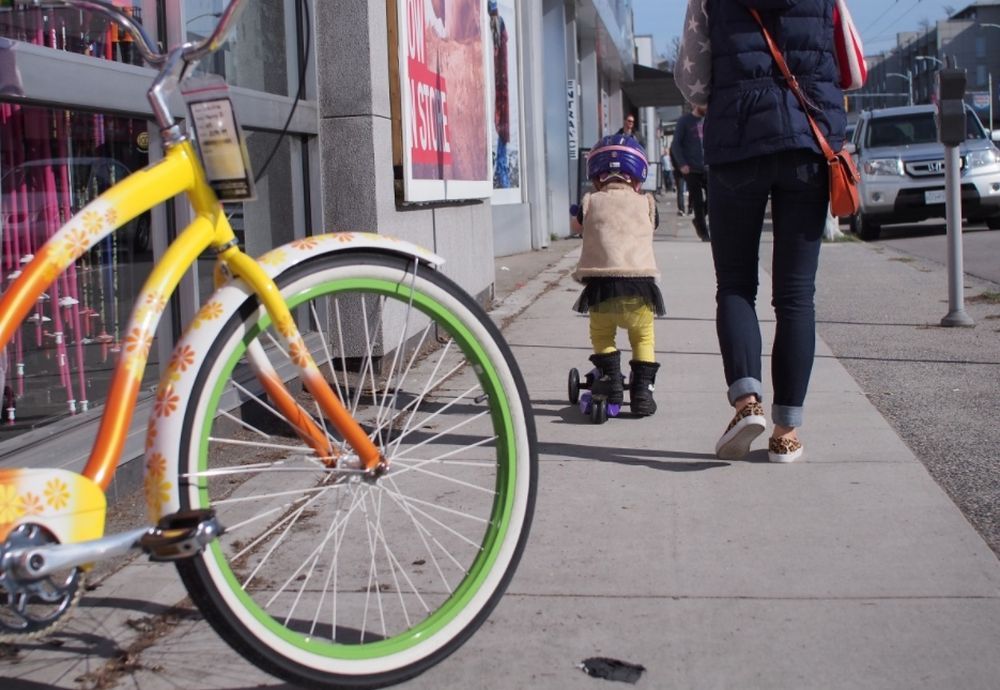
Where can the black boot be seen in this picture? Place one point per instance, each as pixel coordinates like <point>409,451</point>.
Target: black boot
<point>641,387</point>
<point>701,228</point>
<point>608,378</point>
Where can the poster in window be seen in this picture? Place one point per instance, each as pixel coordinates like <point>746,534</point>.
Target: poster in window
<point>443,68</point>
<point>505,133</point>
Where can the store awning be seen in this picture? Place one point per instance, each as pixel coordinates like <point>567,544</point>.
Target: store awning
<point>651,87</point>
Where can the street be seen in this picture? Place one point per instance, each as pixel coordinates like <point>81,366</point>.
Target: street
<point>980,246</point>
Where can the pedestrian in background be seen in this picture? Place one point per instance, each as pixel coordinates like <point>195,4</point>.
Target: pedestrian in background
<point>689,153</point>
<point>618,269</point>
<point>759,146</point>
<point>679,184</point>
<point>629,130</point>
<point>666,171</point>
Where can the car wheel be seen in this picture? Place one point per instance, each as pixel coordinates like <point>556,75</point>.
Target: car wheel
<point>867,229</point>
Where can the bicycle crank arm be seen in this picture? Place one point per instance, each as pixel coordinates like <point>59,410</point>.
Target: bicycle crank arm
<point>32,563</point>
<point>177,536</point>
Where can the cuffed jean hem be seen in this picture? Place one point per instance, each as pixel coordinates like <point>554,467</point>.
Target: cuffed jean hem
<point>743,387</point>
<point>785,415</point>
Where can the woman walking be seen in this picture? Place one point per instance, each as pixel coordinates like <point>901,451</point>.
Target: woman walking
<point>759,147</point>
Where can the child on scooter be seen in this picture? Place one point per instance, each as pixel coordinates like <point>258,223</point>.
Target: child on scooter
<point>618,270</point>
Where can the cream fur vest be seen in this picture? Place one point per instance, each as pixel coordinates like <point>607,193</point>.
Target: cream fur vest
<point>617,235</point>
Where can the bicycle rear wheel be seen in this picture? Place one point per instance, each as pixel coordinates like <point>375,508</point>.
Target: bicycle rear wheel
<point>328,577</point>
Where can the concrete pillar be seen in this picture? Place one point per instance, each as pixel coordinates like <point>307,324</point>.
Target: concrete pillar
<point>557,192</point>
<point>533,135</point>
<point>590,95</point>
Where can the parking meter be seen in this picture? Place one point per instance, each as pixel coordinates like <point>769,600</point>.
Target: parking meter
<point>951,132</point>
<point>951,106</point>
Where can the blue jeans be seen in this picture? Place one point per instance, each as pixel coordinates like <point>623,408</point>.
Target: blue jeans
<point>796,182</point>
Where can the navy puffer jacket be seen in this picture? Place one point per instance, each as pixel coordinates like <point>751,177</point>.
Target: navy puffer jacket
<point>751,112</point>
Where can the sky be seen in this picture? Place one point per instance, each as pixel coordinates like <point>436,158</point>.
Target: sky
<point>878,21</point>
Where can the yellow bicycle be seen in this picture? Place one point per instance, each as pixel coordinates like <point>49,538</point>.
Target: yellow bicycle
<point>341,457</point>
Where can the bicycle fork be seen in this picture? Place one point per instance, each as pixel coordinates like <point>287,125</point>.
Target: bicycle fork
<point>331,406</point>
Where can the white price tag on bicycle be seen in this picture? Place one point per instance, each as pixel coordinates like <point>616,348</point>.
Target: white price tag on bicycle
<point>220,139</point>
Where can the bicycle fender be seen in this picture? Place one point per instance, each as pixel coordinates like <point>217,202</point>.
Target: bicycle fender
<point>165,432</point>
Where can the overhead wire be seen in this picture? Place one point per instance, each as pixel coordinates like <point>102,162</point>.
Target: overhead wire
<point>899,17</point>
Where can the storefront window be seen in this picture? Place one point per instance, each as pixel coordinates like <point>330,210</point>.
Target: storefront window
<point>73,30</point>
<point>254,56</point>
<point>52,163</point>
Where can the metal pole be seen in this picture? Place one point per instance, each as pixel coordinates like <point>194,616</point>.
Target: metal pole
<point>989,90</point>
<point>909,84</point>
<point>956,315</point>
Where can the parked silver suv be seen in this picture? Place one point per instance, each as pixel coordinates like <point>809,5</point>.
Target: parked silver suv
<point>902,170</point>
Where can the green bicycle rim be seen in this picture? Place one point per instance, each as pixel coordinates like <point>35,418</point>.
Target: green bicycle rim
<point>500,514</point>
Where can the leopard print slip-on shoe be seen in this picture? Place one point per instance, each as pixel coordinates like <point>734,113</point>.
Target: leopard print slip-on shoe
<point>748,424</point>
<point>783,450</point>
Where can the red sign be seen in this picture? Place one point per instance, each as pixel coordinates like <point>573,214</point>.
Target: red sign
<point>428,94</point>
<point>429,121</point>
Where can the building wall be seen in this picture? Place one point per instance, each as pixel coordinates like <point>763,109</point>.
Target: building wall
<point>965,37</point>
<point>355,134</point>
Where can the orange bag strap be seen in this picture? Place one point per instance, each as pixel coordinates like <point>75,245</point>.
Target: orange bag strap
<point>793,84</point>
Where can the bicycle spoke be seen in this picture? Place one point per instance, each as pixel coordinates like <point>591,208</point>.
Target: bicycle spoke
<point>256,444</point>
<point>423,534</point>
<point>428,386</point>
<point>435,414</point>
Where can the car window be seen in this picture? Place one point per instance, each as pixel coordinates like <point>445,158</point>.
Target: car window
<point>902,130</point>
<point>914,128</point>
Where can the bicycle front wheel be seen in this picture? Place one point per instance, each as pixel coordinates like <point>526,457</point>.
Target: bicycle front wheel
<point>327,576</point>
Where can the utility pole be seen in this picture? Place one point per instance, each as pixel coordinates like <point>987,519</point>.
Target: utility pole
<point>909,83</point>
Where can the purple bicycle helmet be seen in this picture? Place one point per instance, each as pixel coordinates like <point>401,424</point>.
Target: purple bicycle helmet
<point>617,155</point>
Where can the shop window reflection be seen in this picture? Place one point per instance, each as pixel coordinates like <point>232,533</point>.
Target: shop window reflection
<point>73,30</point>
<point>52,163</point>
<point>254,55</point>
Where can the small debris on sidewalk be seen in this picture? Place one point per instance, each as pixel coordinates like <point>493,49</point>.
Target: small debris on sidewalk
<point>611,669</point>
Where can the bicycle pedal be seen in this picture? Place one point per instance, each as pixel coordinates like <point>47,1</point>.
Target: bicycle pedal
<point>181,535</point>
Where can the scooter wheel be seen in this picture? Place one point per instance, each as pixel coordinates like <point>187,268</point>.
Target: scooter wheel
<point>574,386</point>
<point>599,412</point>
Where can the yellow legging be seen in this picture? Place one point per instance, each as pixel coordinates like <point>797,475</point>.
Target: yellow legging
<point>631,313</point>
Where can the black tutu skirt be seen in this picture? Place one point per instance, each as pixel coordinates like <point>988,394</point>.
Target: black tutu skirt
<point>599,290</point>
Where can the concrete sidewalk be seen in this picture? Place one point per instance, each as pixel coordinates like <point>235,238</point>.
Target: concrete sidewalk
<point>849,569</point>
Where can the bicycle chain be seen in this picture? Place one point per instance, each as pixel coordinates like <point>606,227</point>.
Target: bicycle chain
<point>50,626</point>
<point>17,623</point>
